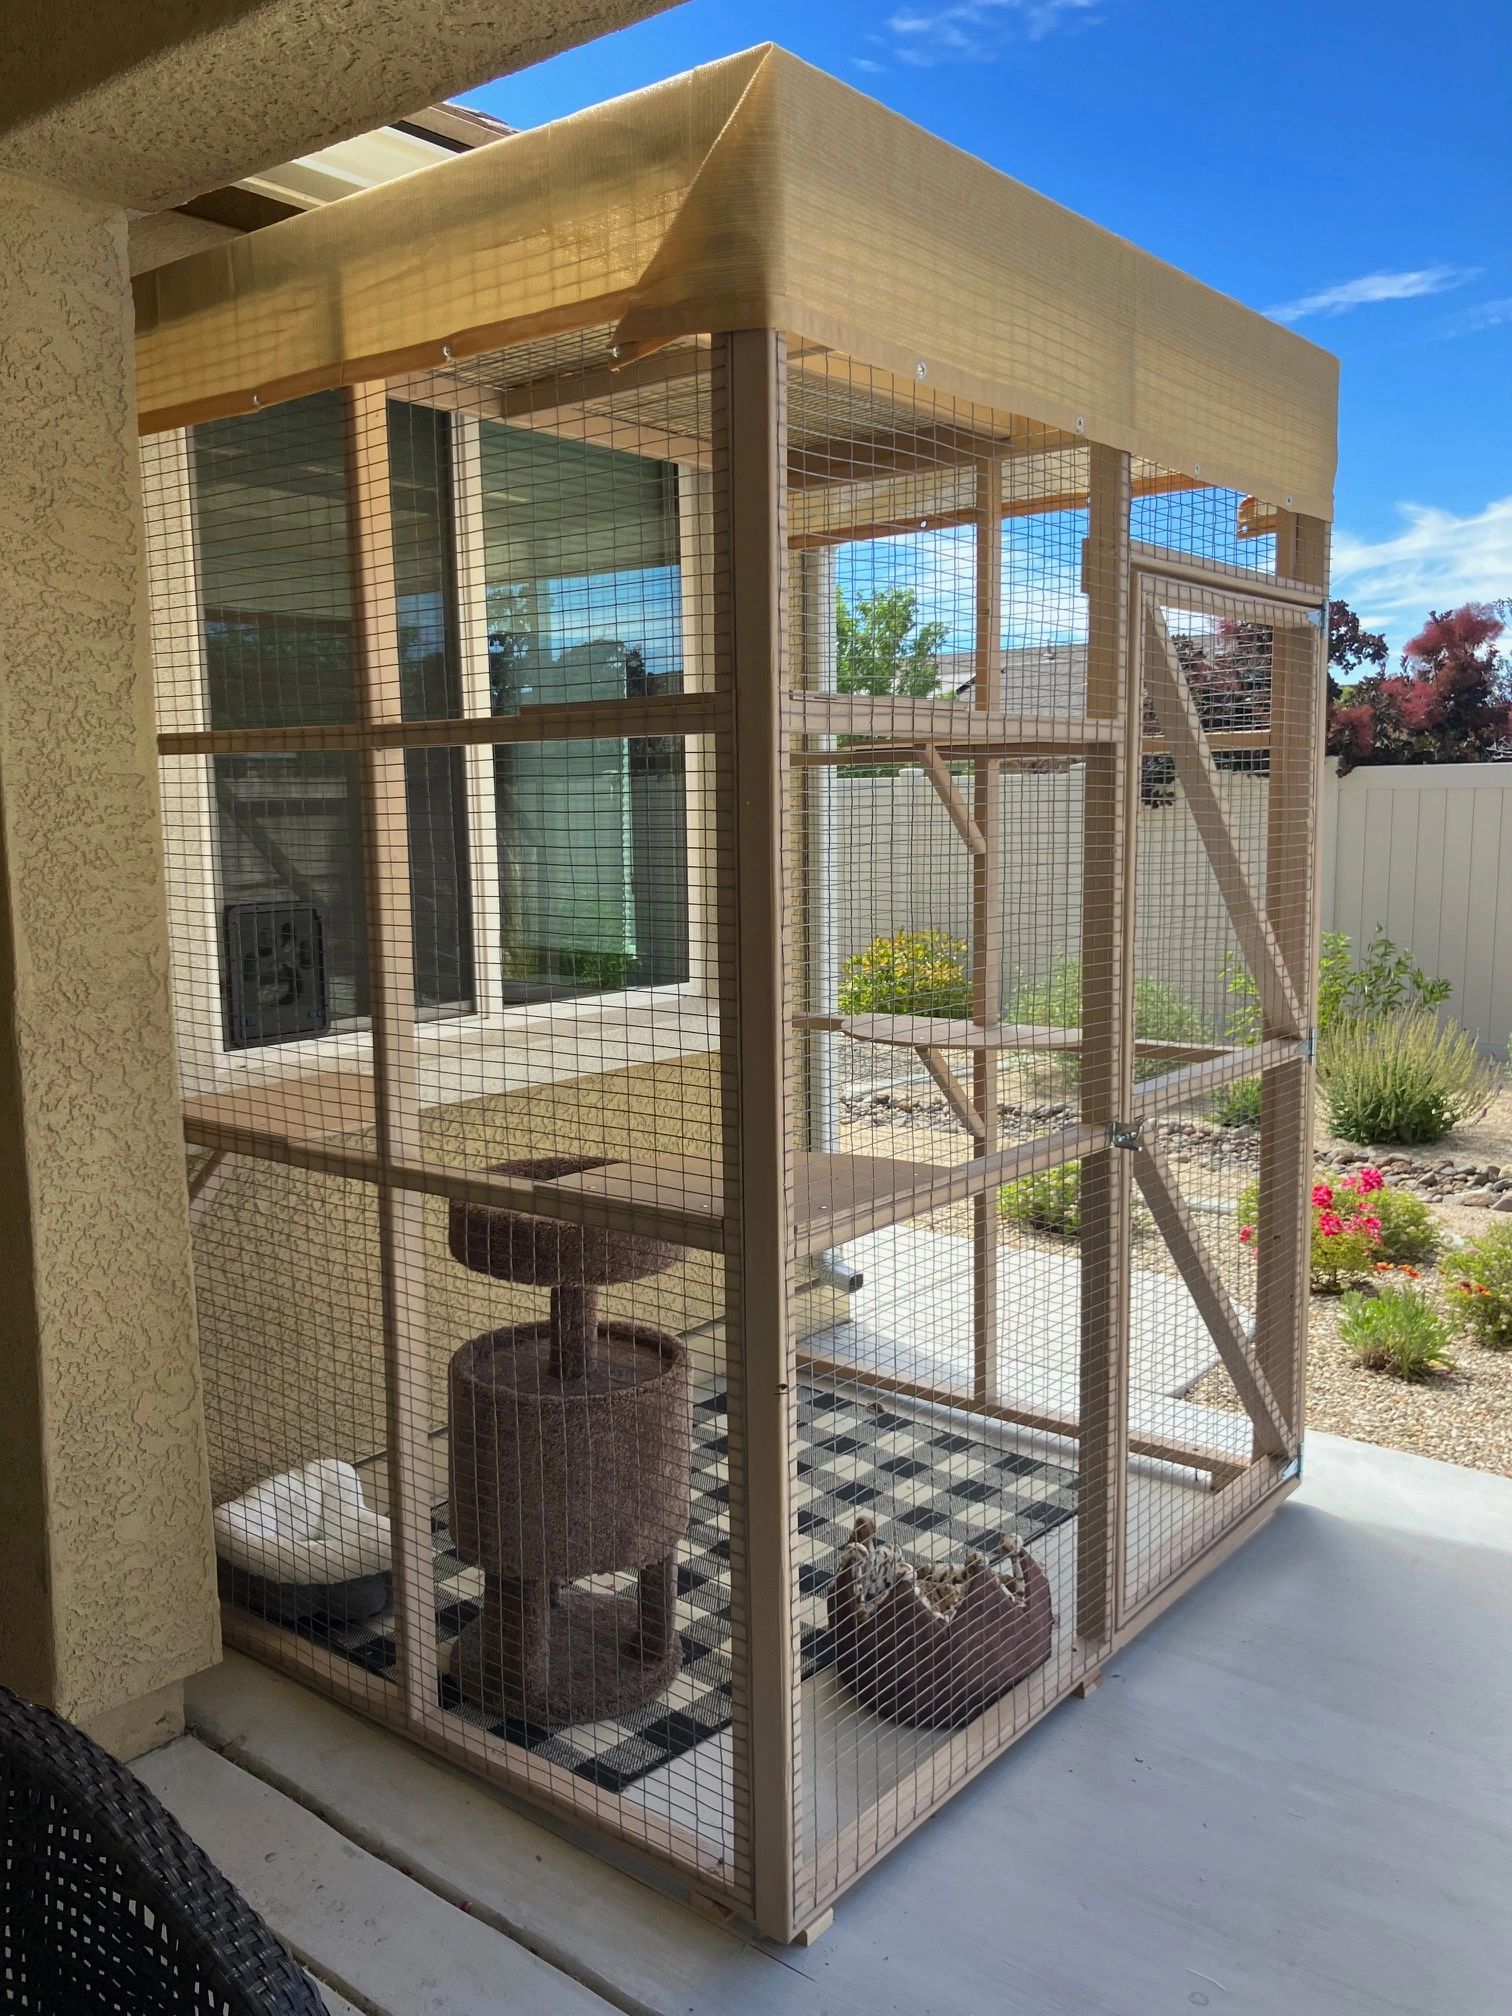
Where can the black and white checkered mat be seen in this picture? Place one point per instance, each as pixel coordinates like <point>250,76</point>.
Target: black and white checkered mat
<point>933,1491</point>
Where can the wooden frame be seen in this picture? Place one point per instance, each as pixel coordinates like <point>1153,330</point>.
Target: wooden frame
<point>768,1203</point>
<point>1107,1073</point>
<point>391,982</point>
<point>758,1263</point>
<point>986,918</point>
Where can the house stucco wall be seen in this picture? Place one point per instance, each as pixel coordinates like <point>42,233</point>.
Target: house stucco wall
<point>148,104</point>
<point>107,1591</point>
<point>106,1572</point>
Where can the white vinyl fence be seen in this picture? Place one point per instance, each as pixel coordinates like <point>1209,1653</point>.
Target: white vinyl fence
<point>1424,853</point>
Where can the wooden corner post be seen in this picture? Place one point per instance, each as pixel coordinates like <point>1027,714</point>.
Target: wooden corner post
<point>391,998</point>
<point>1110,803</point>
<point>1293,855</point>
<point>986,919</point>
<point>751,556</point>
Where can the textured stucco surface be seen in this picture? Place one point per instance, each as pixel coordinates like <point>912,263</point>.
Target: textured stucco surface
<point>287,1271</point>
<point>106,1571</point>
<point>167,235</point>
<point>146,105</point>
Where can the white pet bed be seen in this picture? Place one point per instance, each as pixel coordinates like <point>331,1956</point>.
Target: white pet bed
<point>305,1547</point>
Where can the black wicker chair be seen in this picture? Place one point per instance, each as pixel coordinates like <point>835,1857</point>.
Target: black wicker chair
<point>105,1902</point>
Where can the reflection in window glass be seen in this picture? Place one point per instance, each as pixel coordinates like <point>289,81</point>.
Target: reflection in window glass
<point>274,555</point>
<point>584,603</point>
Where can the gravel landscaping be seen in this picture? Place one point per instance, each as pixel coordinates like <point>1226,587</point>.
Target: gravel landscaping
<point>1462,1417</point>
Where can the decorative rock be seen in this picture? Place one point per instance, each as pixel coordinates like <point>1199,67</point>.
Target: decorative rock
<point>1504,1202</point>
<point>1477,1200</point>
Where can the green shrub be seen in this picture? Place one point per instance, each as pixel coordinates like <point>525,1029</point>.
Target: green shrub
<point>1049,1201</point>
<point>1385,982</point>
<point>1481,1297</point>
<point>1397,1330</point>
<point>1409,1234</point>
<point>910,973</point>
<point>1055,1001</point>
<point>1406,1077</point>
<point>1346,1229</point>
<point>1237,1105</point>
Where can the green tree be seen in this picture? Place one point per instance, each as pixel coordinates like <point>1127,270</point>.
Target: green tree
<point>883,648</point>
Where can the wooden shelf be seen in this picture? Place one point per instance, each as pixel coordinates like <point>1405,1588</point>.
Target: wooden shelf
<point>317,1106</point>
<point>835,1197</point>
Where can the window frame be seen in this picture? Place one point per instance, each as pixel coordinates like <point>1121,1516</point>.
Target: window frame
<point>208,1063</point>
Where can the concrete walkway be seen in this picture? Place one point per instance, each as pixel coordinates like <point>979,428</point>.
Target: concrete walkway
<point>1292,1797</point>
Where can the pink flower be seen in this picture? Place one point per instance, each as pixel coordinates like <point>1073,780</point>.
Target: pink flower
<point>1246,1234</point>
<point>1371,1179</point>
<point>1370,1225</point>
<point>1322,1196</point>
<point>1330,1224</point>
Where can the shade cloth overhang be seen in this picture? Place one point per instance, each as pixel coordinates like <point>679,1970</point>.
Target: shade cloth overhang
<point>755,192</point>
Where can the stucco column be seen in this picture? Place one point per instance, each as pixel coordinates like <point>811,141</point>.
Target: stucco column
<point>107,1573</point>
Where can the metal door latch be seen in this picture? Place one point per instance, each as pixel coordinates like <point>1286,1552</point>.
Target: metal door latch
<point>1126,1134</point>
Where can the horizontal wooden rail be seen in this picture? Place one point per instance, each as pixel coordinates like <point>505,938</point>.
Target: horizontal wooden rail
<point>560,721</point>
<point>948,724</point>
<point>701,1229</point>
<point>1171,1087</point>
<point>1222,1465</point>
<point>931,1188</point>
<point>1186,568</point>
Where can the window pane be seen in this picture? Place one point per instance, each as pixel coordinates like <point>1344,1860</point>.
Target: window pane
<point>584,603</point>
<point>275,572</point>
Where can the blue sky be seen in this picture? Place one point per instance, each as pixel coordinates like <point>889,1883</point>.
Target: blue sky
<point>1340,163</point>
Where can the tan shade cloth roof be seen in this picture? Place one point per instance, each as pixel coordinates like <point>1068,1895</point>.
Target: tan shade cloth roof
<point>755,192</point>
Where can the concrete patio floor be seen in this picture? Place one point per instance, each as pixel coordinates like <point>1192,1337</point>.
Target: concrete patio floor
<point>1291,1797</point>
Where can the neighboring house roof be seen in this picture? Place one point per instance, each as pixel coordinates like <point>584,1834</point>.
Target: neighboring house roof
<point>310,181</point>
<point>370,158</point>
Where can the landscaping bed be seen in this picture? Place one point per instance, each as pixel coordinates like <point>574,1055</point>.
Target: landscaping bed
<point>1464,1416</point>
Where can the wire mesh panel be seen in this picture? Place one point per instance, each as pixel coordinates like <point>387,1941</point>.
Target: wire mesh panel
<point>937,830</point>
<point>1224,922</point>
<point>999,1035</point>
<point>443,781</point>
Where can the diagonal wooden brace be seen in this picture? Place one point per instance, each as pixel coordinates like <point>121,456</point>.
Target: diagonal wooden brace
<point>1179,724</point>
<point>937,770</point>
<point>956,1095</point>
<point>1273,1436</point>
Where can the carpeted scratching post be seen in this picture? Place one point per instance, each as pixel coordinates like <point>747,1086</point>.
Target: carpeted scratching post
<point>569,1457</point>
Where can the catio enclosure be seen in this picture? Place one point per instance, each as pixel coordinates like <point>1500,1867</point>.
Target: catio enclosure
<point>738,704</point>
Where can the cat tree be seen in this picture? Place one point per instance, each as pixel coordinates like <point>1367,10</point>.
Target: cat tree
<point>568,1459</point>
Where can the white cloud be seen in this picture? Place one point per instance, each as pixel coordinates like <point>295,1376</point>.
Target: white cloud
<point>969,30</point>
<point>1485,315</point>
<point>1371,288</point>
<point>1436,561</point>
